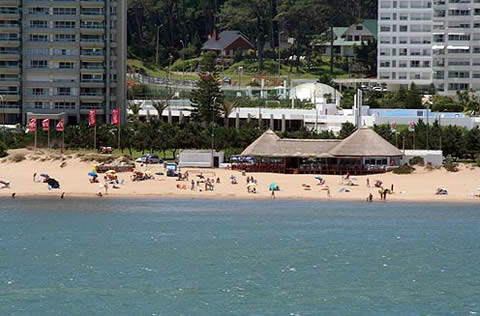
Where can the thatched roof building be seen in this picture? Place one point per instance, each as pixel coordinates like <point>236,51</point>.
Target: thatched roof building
<point>270,145</point>
<point>362,152</point>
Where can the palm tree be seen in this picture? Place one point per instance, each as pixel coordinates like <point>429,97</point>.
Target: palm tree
<point>228,108</point>
<point>160,107</point>
<point>135,108</point>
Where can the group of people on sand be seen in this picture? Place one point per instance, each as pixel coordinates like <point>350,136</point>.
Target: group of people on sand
<point>381,190</point>
<point>209,184</point>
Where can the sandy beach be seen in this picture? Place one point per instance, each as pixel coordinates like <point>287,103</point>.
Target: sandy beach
<point>74,181</point>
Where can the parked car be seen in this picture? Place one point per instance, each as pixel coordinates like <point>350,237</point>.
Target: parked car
<point>381,89</point>
<point>171,169</point>
<point>149,158</point>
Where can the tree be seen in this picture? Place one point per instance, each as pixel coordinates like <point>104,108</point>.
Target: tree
<point>366,55</point>
<point>135,108</point>
<point>208,62</point>
<point>442,103</point>
<point>228,108</point>
<point>160,107</point>
<point>453,143</point>
<point>207,99</point>
<point>252,17</point>
<point>469,100</point>
<point>472,142</point>
<point>346,130</point>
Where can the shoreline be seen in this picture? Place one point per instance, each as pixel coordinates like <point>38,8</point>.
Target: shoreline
<point>228,197</point>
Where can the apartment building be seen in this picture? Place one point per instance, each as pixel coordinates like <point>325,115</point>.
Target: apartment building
<point>456,45</point>
<point>62,56</point>
<point>430,41</point>
<point>405,42</point>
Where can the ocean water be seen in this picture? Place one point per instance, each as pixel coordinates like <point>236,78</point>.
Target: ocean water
<point>204,257</point>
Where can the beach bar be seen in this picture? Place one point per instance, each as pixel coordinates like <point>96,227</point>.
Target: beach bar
<point>363,152</point>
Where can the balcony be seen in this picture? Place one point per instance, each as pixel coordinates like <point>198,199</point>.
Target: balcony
<point>92,3</point>
<point>85,97</point>
<point>92,83</point>
<point>9,70</point>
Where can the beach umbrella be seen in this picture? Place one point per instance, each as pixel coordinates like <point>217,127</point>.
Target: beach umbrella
<point>93,174</point>
<point>273,187</point>
<point>44,175</point>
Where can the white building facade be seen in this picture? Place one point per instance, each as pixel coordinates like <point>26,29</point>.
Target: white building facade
<point>430,42</point>
<point>405,42</point>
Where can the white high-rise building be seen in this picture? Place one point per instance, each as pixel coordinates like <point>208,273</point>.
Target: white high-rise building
<point>405,42</point>
<point>429,42</point>
<point>456,44</point>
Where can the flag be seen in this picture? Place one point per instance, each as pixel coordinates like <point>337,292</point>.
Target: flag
<point>116,116</point>
<point>92,118</point>
<point>32,125</point>
<point>411,127</point>
<point>60,126</point>
<point>394,127</point>
<point>45,125</point>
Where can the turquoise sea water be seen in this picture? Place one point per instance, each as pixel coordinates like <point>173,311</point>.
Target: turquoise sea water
<point>202,257</point>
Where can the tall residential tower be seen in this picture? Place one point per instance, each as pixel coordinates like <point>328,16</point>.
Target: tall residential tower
<point>430,42</point>
<point>62,56</point>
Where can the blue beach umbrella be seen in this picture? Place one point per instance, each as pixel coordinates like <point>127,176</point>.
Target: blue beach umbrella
<point>273,187</point>
<point>93,174</point>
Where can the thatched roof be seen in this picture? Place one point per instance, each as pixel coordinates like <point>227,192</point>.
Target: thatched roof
<point>365,143</point>
<point>270,145</point>
<point>362,143</point>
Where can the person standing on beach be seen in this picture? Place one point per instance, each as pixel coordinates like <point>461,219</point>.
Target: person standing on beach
<point>368,182</point>
<point>192,185</point>
<point>273,194</point>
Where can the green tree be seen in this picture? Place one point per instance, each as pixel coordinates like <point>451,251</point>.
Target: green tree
<point>469,100</point>
<point>208,62</point>
<point>442,103</point>
<point>472,142</point>
<point>207,99</point>
<point>346,130</point>
<point>453,142</point>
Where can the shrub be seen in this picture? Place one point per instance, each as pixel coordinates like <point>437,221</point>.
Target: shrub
<point>405,169</point>
<point>17,157</point>
<point>3,150</point>
<point>416,161</point>
<point>451,166</point>
<point>478,162</point>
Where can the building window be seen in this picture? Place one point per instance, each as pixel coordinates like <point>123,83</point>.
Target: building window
<point>38,63</point>
<point>64,24</point>
<point>39,91</point>
<point>64,91</point>
<point>38,10</point>
<point>64,11</point>
<point>65,105</point>
<point>66,65</point>
<point>64,37</point>
<point>38,38</point>
<point>359,28</point>
<point>37,24</point>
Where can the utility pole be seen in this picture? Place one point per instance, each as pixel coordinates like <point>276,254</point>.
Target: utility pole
<point>183,60</point>
<point>158,40</point>
<point>331,50</point>
<point>3,111</point>
<point>213,128</point>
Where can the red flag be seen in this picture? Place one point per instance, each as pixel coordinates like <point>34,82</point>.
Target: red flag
<point>32,125</point>
<point>45,125</point>
<point>92,118</point>
<point>60,126</point>
<point>116,116</point>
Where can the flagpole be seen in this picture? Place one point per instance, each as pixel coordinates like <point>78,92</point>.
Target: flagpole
<point>95,137</point>
<point>119,136</point>
<point>48,135</point>
<point>63,139</point>
<point>35,145</point>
